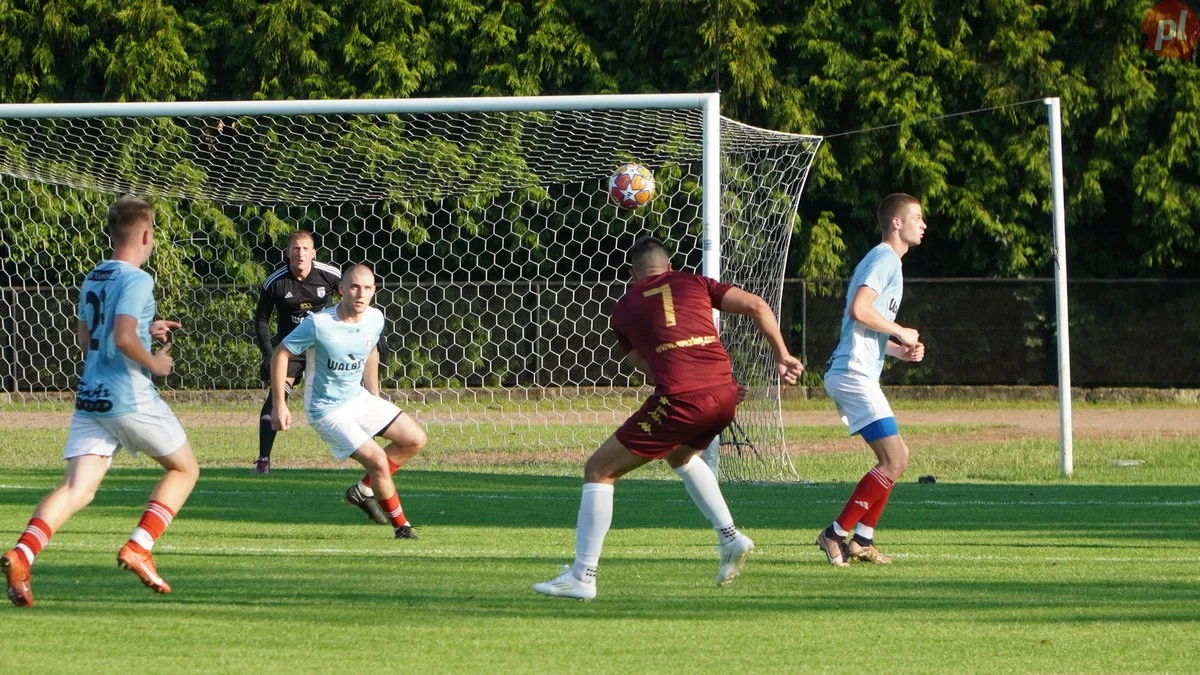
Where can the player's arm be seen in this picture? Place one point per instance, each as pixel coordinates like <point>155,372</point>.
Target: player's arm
<point>281,417</point>
<point>125,337</point>
<point>262,323</point>
<point>634,358</point>
<point>83,335</point>
<point>737,301</point>
<point>371,372</point>
<point>297,342</point>
<point>898,351</point>
<point>863,311</point>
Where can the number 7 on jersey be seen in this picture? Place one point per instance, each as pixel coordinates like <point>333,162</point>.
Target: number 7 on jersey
<point>668,302</point>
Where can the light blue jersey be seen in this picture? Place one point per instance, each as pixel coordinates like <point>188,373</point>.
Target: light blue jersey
<point>337,355</point>
<point>862,350</point>
<point>112,384</point>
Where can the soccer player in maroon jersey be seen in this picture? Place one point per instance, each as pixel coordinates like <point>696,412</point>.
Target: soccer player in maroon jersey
<point>665,325</point>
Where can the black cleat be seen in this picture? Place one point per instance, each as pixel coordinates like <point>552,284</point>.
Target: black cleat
<point>262,466</point>
<point>406,532</point>
<point>369,506</point>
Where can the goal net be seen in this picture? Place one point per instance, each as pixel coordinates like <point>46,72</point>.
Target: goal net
<point>498,252</point>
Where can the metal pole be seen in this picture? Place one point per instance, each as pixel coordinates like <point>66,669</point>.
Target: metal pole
<point>377,106</point>
<point>711,265</point>
<point>1060,287</point>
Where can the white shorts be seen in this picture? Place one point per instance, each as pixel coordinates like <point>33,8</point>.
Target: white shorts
<point>859,400</point>
<point>346,428</point>
<point>156,432</point>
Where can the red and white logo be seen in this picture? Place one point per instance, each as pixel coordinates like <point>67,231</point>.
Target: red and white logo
<point>1172,29</point>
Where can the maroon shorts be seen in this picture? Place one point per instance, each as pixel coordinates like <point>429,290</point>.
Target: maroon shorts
<point>666,422</point>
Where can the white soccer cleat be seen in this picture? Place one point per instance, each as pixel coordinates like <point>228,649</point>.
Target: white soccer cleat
<point>566,585</point>
<point>733,558</point>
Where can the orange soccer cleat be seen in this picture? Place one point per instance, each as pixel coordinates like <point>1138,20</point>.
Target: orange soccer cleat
<point>16,572</point>
<point>138,560</point>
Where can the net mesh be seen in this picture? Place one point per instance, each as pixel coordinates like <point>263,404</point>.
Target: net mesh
<point>497,251</point>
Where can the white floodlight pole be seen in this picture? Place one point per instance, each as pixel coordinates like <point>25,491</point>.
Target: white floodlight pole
<point>1060,287</point>
<point>711,205</point>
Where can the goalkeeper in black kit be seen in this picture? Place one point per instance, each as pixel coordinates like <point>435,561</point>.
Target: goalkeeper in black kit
<point>299,288</point>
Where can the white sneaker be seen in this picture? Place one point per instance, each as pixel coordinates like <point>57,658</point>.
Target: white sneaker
<point>733,558</point>
<point>566,585</point>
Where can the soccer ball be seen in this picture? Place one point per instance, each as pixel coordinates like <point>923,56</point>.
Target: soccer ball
<point>632,186</point>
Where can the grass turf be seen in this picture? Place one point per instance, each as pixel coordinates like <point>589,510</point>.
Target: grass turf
<point>1000,566</point>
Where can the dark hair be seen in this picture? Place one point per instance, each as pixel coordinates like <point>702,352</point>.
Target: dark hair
<point>647,247</point>
<point>890,207</point>
<point>126,216</point>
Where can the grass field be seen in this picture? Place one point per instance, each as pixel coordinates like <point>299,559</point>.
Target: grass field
<point>1000,566</point>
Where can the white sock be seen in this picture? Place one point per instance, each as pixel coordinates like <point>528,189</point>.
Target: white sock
<point>864,531</point>
<point>26,552</point>
<point>595,517</point>
<point>841,531</point>
<point>142,538</point>
<point>366,491</point>
<point>702,485</point>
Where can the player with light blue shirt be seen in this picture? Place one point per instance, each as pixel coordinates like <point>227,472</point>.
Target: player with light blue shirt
<point>111,384</point>
<point>116,406</point>
<point>852,378</point>
<point>341,397</point>
<point>861,349</point>
<point>338,352</point>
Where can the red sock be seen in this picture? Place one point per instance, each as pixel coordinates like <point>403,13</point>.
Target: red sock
<point>36,535</point>
<point>154,522</point>
<point>392,468</point>
<point>872,516</point>
<point>392,506</point>
<point>871,491</point>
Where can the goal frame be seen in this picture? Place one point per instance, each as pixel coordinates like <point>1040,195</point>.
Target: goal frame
<point>708,103</point>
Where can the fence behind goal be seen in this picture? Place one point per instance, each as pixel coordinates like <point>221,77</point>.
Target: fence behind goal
<point>497,250</point>
<point>1124,332</point>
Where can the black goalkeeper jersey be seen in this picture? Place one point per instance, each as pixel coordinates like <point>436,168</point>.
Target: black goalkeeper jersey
<point>292,300</point>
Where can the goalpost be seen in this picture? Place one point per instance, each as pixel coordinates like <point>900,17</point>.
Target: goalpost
<point>498,252</point>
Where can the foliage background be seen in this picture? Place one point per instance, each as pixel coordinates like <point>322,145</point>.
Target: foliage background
<point>1131,136</point>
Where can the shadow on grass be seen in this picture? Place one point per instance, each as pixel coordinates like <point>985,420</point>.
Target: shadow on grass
<point>306,591</point>
<point>300,497</point>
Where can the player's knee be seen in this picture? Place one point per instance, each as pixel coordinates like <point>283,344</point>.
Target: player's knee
<point>419,440</point>
<point>80,497</point>
<point>897,460</point>
<point>191,471</point>
<point>595,471</point>
<point>374,460</point>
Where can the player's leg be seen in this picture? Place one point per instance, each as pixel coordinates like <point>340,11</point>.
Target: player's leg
<point>714,410</point>
<point>892,454</point>
<point>864,409</point>
<point>266,434</point>
<point>610,461</point>
<point>701,483</point>
<point>867,413</point>
<point>407,439</point>
<point>375,461</point>
<point>83,477</point>
<point>159,435</point>
<point>382,418</point>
